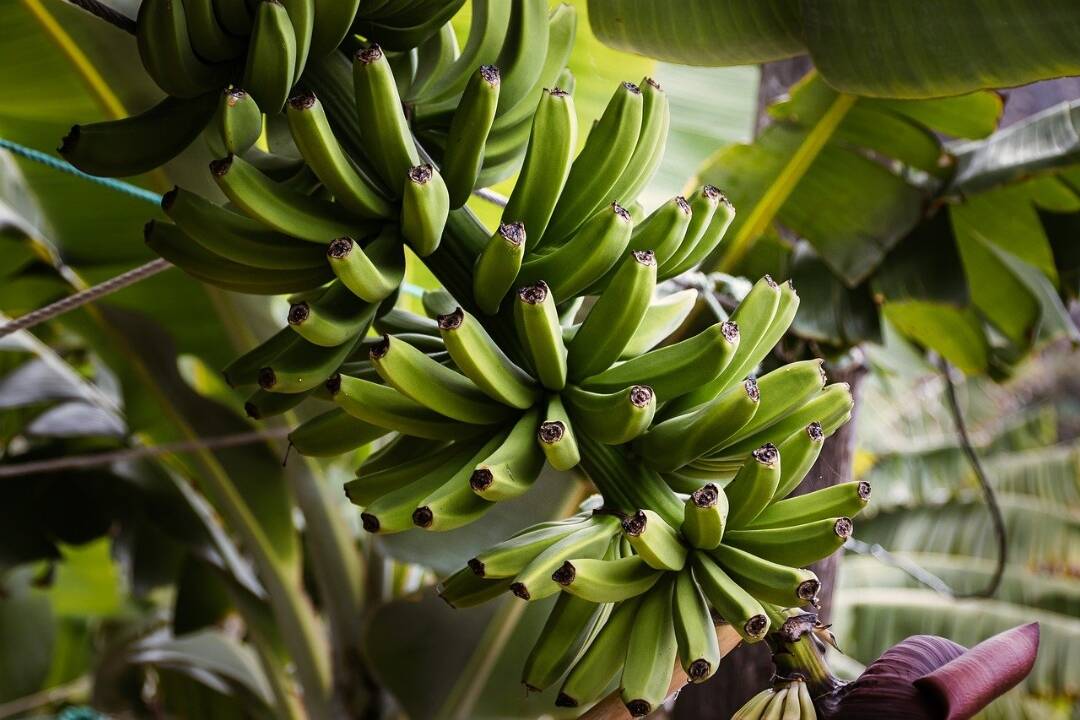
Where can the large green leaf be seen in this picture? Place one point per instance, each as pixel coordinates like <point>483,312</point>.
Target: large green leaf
<point>888,48</point>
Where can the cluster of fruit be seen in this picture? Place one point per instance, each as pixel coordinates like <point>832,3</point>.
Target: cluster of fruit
<point>507,372</point>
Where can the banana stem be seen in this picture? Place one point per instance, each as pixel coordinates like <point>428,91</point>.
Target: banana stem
<point>626,484</point>
<point>796,651</point>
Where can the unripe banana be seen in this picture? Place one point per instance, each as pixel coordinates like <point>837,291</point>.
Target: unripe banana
<point>612,418</point>
<point>673,443</point>
<point>464,155</point>
<point>651,653</point>
<point>602,660</point>
<point>396,510</point>
<point>829,408</point>
<point>235,236</point>
<point>699,649</point>
<point>283,209</point>
<point>398,321</point>
<point>434,58</point>
<point>263,404</point>
<point>425,206</point>
<point>332,21</point>
<point>336,317</point>
<point>734,604</point>
<point>775,709</point>
<point>768,581</point>
<point>244,370</point>
<point>236,125</point>
<point>464,589</point>
<point>787,303</point>
<point>568,627</point>
<point>614,317</point>
<point>535,580</point>
<point>676,369</point>
<point>512,469</point>
<point>703,206</point>
<point>372,273</point>
<point>302,17</point>
<point>166,51</point>
<point>234,15</point>
<point>386,407</point>
<point>272,56</point>
<point>795,545</point>
<point>662,318</point>
<point>318,145</point>
<point>497,266</point>
<point>663,230</point>
<point>331,433</point>
<point>453,504</point>
<point>655,541</point>
<point>524,48</point>
<point>482,361</point>
<point>585,258</point>
<point>705,517</point>
<point>807,711</point>
<point>753,486</point>
<point>800,451</point>
<point>606,580</point>
<point>710,239</point>
<point>599,165</point>
<point>784,389</point>
<point>556,436</point>
<point>396,465</point>
<point>846,499</point>
<point>650,145</point>
<point>552,142</point>
<point>305,365</point>
<point>380,116</point>
<point>139,143</point>
<point>510,557</point>
<point>755,706</point>
<point>537,325</point>
<point>435,386</point>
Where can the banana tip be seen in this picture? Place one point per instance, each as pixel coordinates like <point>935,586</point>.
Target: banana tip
<point>534,294</point>
<point>423,517</point>
<point>706,496</point>
<point>565,574</point>
<point>451,320</point>
<point>371,523</point>
<point>564,700</point>
<point>477,567</point>
<point>638,708</point>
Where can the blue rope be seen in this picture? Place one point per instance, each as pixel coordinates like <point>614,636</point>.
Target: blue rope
<point>64,166</point>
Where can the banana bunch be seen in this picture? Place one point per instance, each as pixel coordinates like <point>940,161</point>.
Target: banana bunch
<point>785,700</point>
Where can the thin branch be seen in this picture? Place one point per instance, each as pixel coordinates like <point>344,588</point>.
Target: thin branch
<point>79,462</point>
<point>984,483</point>
<point>89,295</point>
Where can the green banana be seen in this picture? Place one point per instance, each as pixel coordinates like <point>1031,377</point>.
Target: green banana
<point>398,321</point>
<point>244,370</point>
<point>846,499</point>
<point>263,404</point>
<point>556,436</point>
<point>699,649</point>
<point>454,504</point>
<point>380,116</point>
<point>386,407</point>
<point>236,237</point>
<point>236,125</point>
<point>372,273</point>
<point>171,243</point>
<point>331,433</point>
<point>336,317</point>
<point>234,16</point>
<point>710,239</point>
<point>302,17</point>
<point>756,706</point>
<point>386,471</point>
<point>396,510</point>
<point>568,628</point>
<point>597,168</point>
<point>509,558</point>
<point>487,30</point>
<point>612,418</point>
<point>614,317</point>
<point>787,303</point>
<point>656,542</point>
<point>729,598</point>
<point>650,145</point>
<point>464,155</point>
<point>800,451</point>
<point>482,361</point>
<point>304,365</point>
<point>768,581</point>
<point>315,139</point>
<point>675,442</point>
<point>753,486</point>
<point>425,205</point>
<point>606,580</point>
<point>535,580</point>
<point>427,382</point>
<point>497,266</point>
<point>676,369</point>
<point>594,249</point>
<point>662,318</point>
<point>524,48</point>
<point>272,56</point>
<point>513,468</point>
<point>332,21</point>
<point>602,659</point>
<point>703,206</point>
<point>537,325</point>
<point>552,141</point>
<point>784,389</point>
<point>165,48</point>
<point>651,653</point>
<point>705,517</point>
<point>463,589</point>
<point>828,407</point>
<point>434,59</point>
<point>140,143</point>
<point>663,230</point>
<point>795,545</point>
<point>283,209</point>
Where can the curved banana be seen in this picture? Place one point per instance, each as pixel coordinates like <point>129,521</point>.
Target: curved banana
<point>336,317</point>
<point>846,499</point>
<point>612,418</point>
<point>380,116</point>
<point>510,557</point>
<point>606,580</point>
<point>651,652</point>
<point>386,407</point>
<point>332,433</point>
<point>795,545</point>
<point>753,486</point>
<point>656,542</point>
<point>512,469</point>
<point>602,660</point>
<point>568,628</point>
<point>699,649</point>
<point>556,436</point>
<point>425,205</point>
<point>272,56</point>
<point>464,154</point>
<point>535,580</point>
<point>497,266</point>
<point>800,451</point>
<point>663,316</point>
<point>705,517</point>
<point>537,325</point>
<point>768,581</point>
<point>236,125</point>
<point>373,273</point>
<point>482,361</point>
<point>735,605</point>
